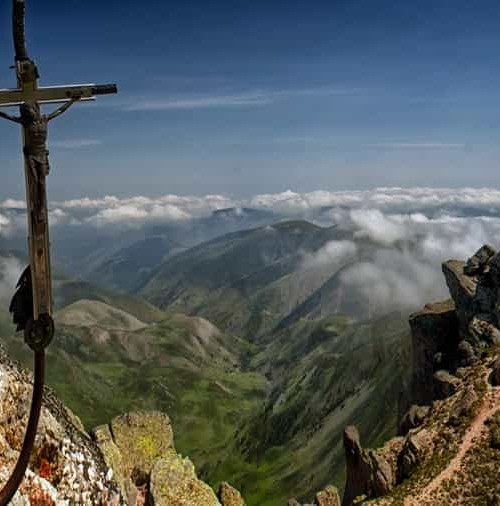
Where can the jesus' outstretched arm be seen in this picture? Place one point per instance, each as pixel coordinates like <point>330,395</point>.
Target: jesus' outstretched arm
<point>15,119</point>
<point>62,109</point>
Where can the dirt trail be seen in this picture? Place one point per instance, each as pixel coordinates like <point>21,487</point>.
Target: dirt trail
<point>490,406</point>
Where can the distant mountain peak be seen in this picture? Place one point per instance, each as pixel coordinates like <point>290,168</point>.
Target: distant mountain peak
<point>296,225</point>
<point>239,212</point>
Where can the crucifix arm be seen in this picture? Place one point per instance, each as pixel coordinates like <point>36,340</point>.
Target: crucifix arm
<point>15,119</point>
<point>62,109</point>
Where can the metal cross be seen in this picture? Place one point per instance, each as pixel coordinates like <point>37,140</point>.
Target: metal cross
<point>28,96</point>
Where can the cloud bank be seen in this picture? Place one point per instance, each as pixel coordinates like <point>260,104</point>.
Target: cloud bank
<point>382,214</point>
<point>397,237</point>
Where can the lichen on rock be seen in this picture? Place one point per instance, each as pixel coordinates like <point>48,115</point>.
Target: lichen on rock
<point>229,496</point>
<point>174,483</point>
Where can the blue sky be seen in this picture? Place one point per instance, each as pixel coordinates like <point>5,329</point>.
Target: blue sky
<point>245,97</point>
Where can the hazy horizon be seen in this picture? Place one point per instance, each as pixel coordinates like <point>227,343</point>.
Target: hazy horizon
<point>243,99</point>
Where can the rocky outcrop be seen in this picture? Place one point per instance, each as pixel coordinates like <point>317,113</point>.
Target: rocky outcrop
<point>368,474</point>
<point>140,448</point>
<point>130,462</point>
<point>66,466</point>
<point>452,334</point>
<point>457,434</point>
<point>435,338</point>
<point>475,297</point>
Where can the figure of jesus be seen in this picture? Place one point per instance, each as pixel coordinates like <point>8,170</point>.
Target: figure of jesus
<point>35,147</point>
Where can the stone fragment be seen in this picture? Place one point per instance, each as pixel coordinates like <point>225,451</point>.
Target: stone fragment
<point>445,384</point>
<point>328,497</point>
<point>494,378</point>
<point>229,496</point>
<point>174,483</point>
<point>413,418</point>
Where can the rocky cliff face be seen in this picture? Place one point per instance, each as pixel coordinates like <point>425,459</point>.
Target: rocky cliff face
<point>130,462</point>
<point>66,466</point>
<point>449,449</point>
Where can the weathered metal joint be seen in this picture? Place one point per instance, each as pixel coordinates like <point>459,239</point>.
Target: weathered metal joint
<point>38,334</point>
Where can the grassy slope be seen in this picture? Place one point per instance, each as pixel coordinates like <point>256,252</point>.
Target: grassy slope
<point>325,375</point>
<point>101,373</point>
<point>332,375</point>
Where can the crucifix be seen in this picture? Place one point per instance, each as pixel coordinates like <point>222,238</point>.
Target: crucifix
<point>29,97</point>
<point>31,306</point>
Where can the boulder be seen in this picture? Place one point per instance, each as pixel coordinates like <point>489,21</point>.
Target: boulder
<point>174,483</point>
<point>132,444</point>
<point>466,355</point>
<point>328,497</point>
<point>142,437</point>
<point>368,473</point>
<point>414,417</point>
<point>445,384</point>
<point>229,496</point>
<point>478,263</point>
<point>494,378</point>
